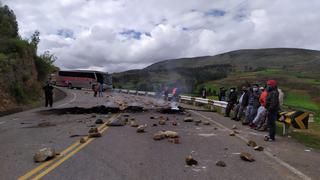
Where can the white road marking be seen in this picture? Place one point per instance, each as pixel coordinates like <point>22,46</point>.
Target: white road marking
<point>72,100</point>
<point>2,122</point>
<point>269,154</point>
<point>207,135</point>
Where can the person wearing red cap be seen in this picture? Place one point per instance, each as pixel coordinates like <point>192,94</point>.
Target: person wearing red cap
<point>272,106</point>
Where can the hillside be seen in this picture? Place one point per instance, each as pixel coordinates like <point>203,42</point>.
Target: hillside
<point>22,71</point>
<point>170,72</point>
<point>289,58</point>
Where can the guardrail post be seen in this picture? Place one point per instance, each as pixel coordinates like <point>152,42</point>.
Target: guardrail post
<point>311,117</point>
<point>193,101</point>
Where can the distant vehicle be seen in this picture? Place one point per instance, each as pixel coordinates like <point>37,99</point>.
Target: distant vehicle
<point>82,79</point>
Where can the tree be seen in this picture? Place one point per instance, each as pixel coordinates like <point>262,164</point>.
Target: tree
<point>44,65</point>
<point>8,23</point>
<point>35,39</point>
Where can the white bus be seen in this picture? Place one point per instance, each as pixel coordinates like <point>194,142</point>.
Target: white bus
<point>82,79</point>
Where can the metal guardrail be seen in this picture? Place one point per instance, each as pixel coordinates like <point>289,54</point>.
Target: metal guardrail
<point>141,93</point>
<point>132,92</point>
<point>152,94</point>
<point>182,98</point>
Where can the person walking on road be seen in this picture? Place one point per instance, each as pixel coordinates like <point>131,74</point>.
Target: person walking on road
<point>48,93</point>
<point>100,89</point>
<point>272,106</point>
<point>95,89</point>
<point>232,100</point>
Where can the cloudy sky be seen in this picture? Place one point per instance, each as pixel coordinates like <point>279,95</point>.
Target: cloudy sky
<point>117,35</point>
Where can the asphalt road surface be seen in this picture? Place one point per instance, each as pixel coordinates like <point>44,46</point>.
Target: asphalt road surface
<point>122,153</point>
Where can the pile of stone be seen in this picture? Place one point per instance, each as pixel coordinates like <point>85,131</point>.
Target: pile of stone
<point>172,136</point>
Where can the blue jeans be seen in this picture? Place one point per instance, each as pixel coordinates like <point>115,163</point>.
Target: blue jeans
<point>251,112</point>
<point>260,116</point>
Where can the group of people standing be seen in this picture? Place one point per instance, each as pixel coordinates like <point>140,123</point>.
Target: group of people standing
<point>259,105</point>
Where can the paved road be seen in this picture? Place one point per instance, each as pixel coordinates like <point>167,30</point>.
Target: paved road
<point>121,153</point>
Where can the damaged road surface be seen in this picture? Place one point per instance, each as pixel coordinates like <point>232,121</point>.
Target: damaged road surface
<point>123,136</point>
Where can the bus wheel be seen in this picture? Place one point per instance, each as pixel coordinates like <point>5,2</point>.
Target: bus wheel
<point>70,86</point>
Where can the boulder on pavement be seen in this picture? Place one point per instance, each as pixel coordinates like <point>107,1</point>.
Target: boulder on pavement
<point>95,135</point>
<point>221,164</point>
<point>44,154</point>
<point>93,130</point>
<point>234,127</point>
<point>190,161</point>
<point>82,140</point>
<point>246,156</point>
<point>141,128</point>
<point>251,143</point>
<point>159,136</point>
<point>162,122</point>
<point>171,134</point>
<point>134,124</point>
<point>174,123</point>
<point>232,134</point>
<point>258,148</point>
<point>188,119</point>
<point>99,121</point>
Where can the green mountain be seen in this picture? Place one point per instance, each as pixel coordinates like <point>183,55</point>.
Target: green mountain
<point>287,58</point>
<point>188,73</point>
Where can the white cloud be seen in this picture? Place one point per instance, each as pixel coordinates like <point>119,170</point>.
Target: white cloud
<point>86,34</point>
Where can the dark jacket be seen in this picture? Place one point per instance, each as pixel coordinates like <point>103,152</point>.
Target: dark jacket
<point>48,90</point>
<point>272,102</point>
<point>232,98</point>
<point>254,99</point>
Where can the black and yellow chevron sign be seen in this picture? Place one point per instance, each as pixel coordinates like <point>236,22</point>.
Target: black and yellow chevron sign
<point>298,119</point>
